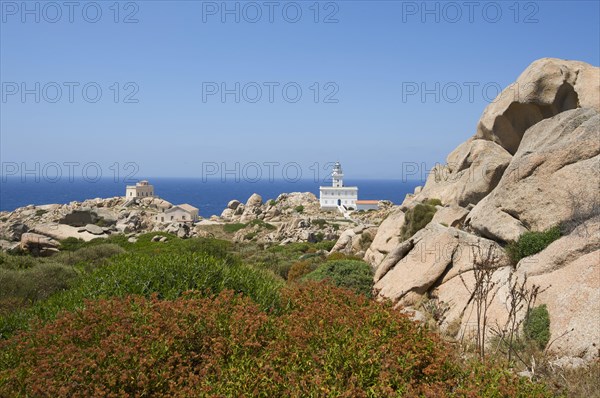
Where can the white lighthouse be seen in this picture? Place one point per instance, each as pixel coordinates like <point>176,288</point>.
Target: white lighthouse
<point>338,196</point>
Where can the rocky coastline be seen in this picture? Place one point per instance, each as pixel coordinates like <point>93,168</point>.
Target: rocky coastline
<point>532,164</point>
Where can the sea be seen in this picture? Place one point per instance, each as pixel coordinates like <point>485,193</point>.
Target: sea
<point>209,195</point>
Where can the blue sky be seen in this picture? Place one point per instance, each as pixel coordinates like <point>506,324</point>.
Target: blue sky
<point>167,122</point>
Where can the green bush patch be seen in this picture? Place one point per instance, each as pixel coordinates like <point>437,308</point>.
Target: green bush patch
<point>537,326</point>
<point>351,274</point>
<point>531,243</point>
<point>418,217</point>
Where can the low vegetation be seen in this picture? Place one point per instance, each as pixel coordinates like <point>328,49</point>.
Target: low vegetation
<point>327,341</point>
<point>351,274</point>
<point>204,317</point>
<point>536,326</point>
<point>418,217</point>
<point>531,243</point>
<point>234,227</point>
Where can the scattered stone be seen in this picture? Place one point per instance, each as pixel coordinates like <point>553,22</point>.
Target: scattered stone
<point>94,229</point>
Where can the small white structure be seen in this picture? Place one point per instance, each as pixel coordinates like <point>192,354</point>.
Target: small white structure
<point>367,204</point>
<point>179,213</point>
<point>338,196</point>
<point>140,190</point>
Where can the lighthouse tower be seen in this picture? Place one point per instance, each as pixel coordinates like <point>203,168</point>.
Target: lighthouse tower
<point>337,175</point>
<point>338,196</point>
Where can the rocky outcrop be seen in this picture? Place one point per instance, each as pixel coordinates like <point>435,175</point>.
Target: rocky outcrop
<point>434,254</point>
<point>546,88</point>
<point>79,218</point>
<point>386,239</point>
<point>538,147</point>
<point>252,209</point>
<point>450,216</point>
<point>553,175</point>
<point>355,240</point>
<point>283,208</point>
<point>472,171</point>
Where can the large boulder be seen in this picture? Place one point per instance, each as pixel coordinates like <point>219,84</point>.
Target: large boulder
<point>254,200</point>
<point>79,218</point>
<point>253,208</point>
<point>39,245</point>
<point>354,240</point>
<point>108,216</point>
<point>16,230</point>
<point>450,216</point>
<point>63,231</point>
<point>472,171</point>
<point>386,238</point>
<point>552,178</point>
<point>233,204</point>
<point>546,88</point>
<point>434,254</point>
<point>94,229</point>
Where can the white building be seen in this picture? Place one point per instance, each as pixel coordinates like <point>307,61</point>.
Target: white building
<point>140,190</point>
<point>179,213</point>
<point>338,196</point>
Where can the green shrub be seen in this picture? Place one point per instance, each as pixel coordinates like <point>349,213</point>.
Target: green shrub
<point>261,224</point>
<point>536,326</point>
<point>37,283</point>
<point>89,256</point>
<point>320,223</point>
<point>166,274</point>
<point>72,244</point>
<point>350,274</point>
<point>296,247</point>
<point>17,262</point>
<point>319,236</point>
<point>326,245</point>
<point>531,243</point>
<point>342,256</point>
<point>299,209</point>
<point>365,240</point>
<point>416,219</point>
<point>40,212</point>
<point>433,202</point>
<point>272,202</point>
<point>217,248</point>
<point>234,227</point>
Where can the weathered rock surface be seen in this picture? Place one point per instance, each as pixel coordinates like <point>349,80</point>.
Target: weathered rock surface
<point>63,231</point>
<point>550,178</point>
<point>433,254</point>
<point>386,238</point>
<point>569,270</point>
<point>450,216</point>
<point>94,229</point>
<point>38,244</point>
<point>547,87</point>
<point>79,218</point>
<point>355,240</point>
<point>472,171</point>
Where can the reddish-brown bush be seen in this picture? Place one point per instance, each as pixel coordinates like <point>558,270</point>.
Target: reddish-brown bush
<point>327,342</point>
